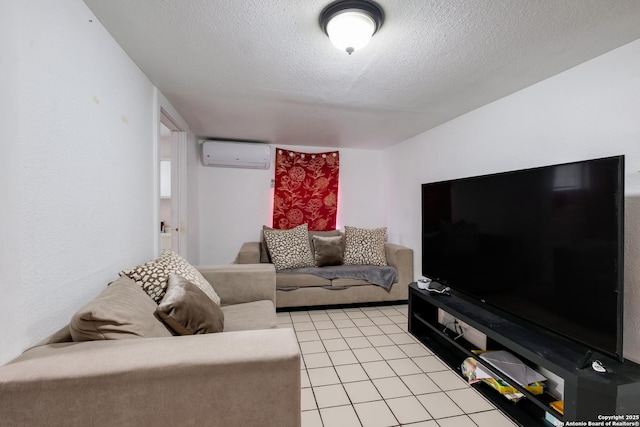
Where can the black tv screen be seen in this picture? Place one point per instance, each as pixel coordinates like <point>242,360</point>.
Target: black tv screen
<point>544,244</point>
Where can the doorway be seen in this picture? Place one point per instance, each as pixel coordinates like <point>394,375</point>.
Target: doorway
<point>172,182</point>
<point>167,223</point>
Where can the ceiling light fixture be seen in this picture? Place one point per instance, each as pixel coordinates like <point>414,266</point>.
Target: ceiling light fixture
<point>351,23</point>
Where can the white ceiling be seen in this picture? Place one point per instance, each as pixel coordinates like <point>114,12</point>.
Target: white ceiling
<point>264,70</point>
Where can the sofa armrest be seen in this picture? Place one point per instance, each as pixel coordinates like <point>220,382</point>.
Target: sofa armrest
<point>249,253</point>
<point>401,258</point>
<point>240,283</point>
<point>249,378</point>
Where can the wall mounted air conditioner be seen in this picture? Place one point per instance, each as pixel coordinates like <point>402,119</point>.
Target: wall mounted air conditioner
<point>231,154</point>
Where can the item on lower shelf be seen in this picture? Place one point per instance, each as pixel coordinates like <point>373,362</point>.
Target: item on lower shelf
<point>505,388</point>
<point>552,419</point>
<point>512,367</point>
<point>514,397</point>
<point>475,372</point>
<point>558,405</point>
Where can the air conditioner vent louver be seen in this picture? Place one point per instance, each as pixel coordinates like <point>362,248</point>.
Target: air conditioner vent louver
<point>232,154</point>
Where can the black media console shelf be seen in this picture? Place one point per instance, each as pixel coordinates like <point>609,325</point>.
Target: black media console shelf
<point>588,395</point>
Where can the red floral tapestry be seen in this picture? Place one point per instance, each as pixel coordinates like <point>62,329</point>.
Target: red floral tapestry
<point>306,190</point>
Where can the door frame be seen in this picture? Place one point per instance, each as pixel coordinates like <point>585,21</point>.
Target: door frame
<point>165,113</point>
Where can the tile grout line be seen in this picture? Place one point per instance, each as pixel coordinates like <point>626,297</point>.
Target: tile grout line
<point>359,363</point>
<point>373,347</point>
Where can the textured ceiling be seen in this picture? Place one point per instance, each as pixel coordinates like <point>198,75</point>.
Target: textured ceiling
<point>264,70</point>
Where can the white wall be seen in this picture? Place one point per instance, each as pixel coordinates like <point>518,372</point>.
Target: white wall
<point>586,112</point>
<point>11,327</point>
<point>236,203</point>
<point>82,168</point>
<point>193,199</point>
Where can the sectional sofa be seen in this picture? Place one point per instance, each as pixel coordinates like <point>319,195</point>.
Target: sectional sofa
<point>137,372</point>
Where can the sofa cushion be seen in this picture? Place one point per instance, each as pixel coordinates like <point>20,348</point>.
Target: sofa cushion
<point>300,280</point>
<point>364,246</point>
<point>289,248</point>
<point>249,315</point>
<point>186,310</point>
<point>349,282</point>
<point>327,250</point>
<point>153,276</point>
<point>123,310</point>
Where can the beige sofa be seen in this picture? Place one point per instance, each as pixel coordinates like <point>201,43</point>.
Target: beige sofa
<point>304,290</point>
<point>249,376</point>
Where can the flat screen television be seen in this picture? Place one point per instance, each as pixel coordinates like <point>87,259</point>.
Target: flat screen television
<point>544,244</point>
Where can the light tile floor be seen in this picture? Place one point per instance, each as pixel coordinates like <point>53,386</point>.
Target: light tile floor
<point>361,368</point>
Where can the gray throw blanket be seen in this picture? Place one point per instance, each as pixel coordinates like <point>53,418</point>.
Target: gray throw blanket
<point>381,276</point>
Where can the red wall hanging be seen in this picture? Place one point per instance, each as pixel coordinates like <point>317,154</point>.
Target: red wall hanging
<point>306,189</point>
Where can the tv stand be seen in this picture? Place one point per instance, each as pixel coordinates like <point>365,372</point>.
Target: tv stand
<point>588,395</point>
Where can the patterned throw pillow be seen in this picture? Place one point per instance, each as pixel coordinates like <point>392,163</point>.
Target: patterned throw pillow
<point>153,276</point>
<point>289,248</point>
<point>364,246</point>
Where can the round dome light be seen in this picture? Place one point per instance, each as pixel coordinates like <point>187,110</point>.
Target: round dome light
<point>350,24</point>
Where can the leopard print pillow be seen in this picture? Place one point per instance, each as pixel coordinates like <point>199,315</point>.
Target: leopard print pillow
<point>153,276</point>
<point>289,248</point>
<point>364,246</point>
